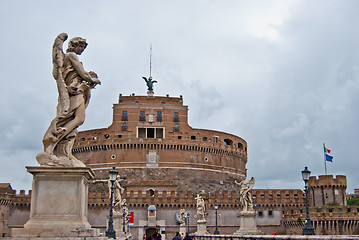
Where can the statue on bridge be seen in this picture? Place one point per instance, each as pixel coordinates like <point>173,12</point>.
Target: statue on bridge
<point>245,196</point>
<point>74,86</point>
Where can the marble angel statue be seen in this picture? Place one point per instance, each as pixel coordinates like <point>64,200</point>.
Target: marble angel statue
<point>74,86</point>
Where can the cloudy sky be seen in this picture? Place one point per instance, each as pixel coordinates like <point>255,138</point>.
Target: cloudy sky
<point>283,75</point>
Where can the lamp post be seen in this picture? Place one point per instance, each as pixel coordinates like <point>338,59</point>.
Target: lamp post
<point>124,206</point>
<point>308,228</point>
<point>110,232</point>
<point>187,218</point>
<point>216,208</point>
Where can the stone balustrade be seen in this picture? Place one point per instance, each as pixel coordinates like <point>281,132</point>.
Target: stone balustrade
<point>275,237</point>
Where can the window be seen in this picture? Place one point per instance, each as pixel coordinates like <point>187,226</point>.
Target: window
<point>216,139</point>
<point>107,136</point>
<point>142,133</point>
<point>270,213</point>
<point>260,214</point>
<point>205,139</point>
<point>179,137</point>
<point>119,136</point>
<point>193,137</point>
<point>175,117</point>
<point>176,127</point>
<point>124,116</point>
<point>159,132</point>
<point>159,116</point>
<point>148,132</point>
<point>142,116</point>
<point>124,126</point>
<point>152,192</point>
<point>228,142</point>
<point>240,145</point>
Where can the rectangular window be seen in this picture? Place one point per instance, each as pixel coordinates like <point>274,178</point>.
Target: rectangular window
<point>141,132</point>
<point>124,116</point>
<point>159,132</point>
<point>176,127</point>
<point>175,117</point>
<point>216,139</point>
<point>270,213</point>
<point>148,132</point>
<point>142,116</point>
<point>260,213</point>
<point>124,126</point>
<point>159,116</point>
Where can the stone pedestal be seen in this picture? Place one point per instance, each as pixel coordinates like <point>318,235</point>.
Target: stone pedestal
<point>247,223</point>
<point>58,203</point>
<point>183,230</point>
<point>118,223</point>
<point>201,228</point>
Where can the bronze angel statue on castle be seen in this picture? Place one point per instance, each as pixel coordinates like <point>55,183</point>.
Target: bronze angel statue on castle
<point>74,86</point>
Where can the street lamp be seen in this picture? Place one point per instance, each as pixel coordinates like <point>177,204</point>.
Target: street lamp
<point>187,218</point>
<point>110,232</point>
<point>216,208</point>
<point>308,228</point>
<point>124,206</point>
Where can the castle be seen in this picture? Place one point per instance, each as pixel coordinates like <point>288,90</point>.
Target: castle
<point>164,163</point>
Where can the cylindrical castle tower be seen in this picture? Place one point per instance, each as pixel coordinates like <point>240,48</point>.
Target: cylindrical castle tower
<point>150,139</point>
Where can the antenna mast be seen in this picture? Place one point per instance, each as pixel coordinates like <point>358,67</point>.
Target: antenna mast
<point>151,60</point>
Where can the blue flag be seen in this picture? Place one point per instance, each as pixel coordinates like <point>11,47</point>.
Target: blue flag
<point>328,158</point>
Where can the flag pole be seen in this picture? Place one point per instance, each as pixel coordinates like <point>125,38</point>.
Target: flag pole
<point>325,161</point>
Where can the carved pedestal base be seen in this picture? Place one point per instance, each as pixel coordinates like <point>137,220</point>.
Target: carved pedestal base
<point>248,225</point>
<point>183,230</point>
<point>58,203</point>
<point>118,224</point>
<point>201,228</point>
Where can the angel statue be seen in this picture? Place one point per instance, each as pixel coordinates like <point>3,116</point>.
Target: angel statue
<point>74,86</point>
<point>182,217</point>
<point>117,196</point>
<point>201,209</point>
<point>149,83</point>
<point>245,197</point>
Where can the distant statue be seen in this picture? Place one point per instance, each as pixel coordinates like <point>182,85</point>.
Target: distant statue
<point>149,83</point>
<point>182,217</point>
<point>201,209</point>
<point>245,196</point>
<point>117,195</point>
<point>125,212</point>
<point>74,86</point>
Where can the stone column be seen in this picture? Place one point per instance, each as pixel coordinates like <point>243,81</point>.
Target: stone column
<point>58,203</point>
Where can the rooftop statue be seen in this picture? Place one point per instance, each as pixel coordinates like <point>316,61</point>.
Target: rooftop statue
<point>74,86</point>
<point>245,196</point>
<point>149,83</point>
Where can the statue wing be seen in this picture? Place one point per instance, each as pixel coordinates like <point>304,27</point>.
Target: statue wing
<point>154,81</point>
<point>145,78</point>
<point>251,182</point>
<point>58,64</point>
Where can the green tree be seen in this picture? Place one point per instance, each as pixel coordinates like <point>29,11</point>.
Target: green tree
<point>353,202</point>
